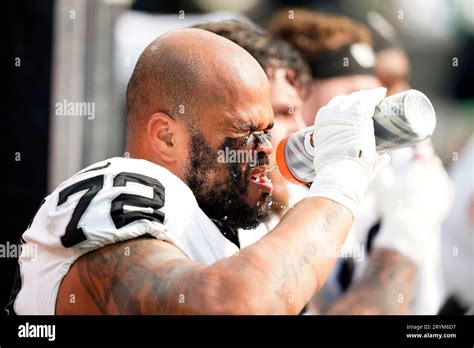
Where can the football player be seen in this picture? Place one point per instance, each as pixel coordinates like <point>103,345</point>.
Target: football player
<point>155,233</point>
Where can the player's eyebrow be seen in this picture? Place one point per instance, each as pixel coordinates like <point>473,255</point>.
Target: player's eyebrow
<point>247,127</point>
<point>251,127</point>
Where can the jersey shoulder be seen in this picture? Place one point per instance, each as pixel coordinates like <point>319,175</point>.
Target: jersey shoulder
<point>107,202</point>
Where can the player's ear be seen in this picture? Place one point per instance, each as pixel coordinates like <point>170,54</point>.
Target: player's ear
<point>162,135</point>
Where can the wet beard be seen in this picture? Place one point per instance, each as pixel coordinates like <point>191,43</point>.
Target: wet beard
<point>224,199</point>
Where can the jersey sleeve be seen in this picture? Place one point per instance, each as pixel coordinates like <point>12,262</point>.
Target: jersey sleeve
<point>104,204</point>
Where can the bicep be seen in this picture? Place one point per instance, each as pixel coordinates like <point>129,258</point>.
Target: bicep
<point>140,276</point>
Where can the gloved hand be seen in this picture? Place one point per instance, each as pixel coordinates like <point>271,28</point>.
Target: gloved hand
<point>345,157</point>
<point>413,207</point>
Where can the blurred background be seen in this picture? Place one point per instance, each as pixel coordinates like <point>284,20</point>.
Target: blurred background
<point>84,51</point>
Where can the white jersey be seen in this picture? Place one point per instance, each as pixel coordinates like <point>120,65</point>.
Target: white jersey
<point>109,202</point>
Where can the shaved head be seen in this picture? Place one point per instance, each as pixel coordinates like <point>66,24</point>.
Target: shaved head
<point>193,97</point>
<point>187,72</point>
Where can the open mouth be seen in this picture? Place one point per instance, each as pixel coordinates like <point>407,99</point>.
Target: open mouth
<point>258,177</point>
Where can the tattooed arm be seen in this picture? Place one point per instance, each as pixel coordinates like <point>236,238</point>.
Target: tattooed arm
<point>386,287</point>
<point>278,274</point>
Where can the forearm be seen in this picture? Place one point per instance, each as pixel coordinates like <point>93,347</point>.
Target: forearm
<point>386,287</point>
<point>280,273</point>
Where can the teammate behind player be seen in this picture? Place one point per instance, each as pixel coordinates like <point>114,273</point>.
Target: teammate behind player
<point>188,99</point>
<point>337,50</point>
<point>411,202</point>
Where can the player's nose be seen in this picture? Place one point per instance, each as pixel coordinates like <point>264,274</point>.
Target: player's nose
<point>264,144</point>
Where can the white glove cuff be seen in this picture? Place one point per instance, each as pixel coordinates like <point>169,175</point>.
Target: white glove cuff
<point>343,181</point>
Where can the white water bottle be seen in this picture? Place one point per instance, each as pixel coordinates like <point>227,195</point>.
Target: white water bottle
<point>400,120</point>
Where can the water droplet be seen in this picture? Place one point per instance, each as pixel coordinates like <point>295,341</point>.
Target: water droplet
<point>271,169</point>
<point>224,218</point>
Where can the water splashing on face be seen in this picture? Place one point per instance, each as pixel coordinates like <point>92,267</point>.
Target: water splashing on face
<point>271,169</point>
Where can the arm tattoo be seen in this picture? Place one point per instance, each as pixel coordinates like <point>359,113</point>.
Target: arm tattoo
<point>386,287</point>
<point>289,275</point>
<point>120,283</point>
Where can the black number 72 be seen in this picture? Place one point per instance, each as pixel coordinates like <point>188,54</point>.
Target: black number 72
<point>93,185</point>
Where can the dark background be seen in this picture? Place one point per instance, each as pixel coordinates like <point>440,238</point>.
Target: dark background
<point>29,36</point>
